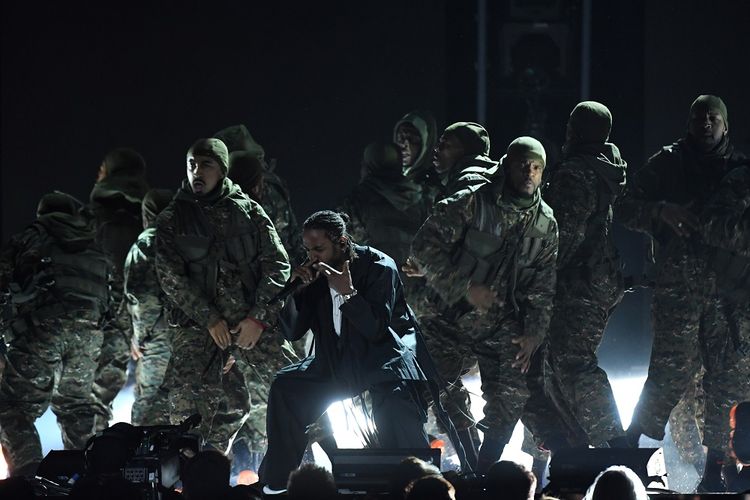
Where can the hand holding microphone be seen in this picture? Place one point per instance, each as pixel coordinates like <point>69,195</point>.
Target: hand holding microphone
<point>301,276</point>
<point>305,274</point>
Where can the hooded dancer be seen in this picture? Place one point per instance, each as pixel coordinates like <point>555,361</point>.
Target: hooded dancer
<point>219,261</point>
<point>489,254</point>
<point>151,344</point>
<point>115,205</point>
<point>386,209</point>
<point>273,194</point>
<point>416,135</point>
<point>582,191</point>
<point>58,278</point>
<point>694,319</point>
<point>461,161</point>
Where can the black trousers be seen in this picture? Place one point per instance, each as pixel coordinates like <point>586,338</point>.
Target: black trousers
<point>298,399</point>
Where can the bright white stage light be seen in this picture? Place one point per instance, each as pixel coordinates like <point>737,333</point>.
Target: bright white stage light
<point>347,419</point>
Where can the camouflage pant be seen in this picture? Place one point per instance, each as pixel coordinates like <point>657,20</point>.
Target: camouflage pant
<point>582,390</point>
<point>686,423</point>
<point>693,330</point>
<point>196,385</point>
<point>151,405</point>
<point>509,394</point>
<point>530,446</point>
<point>453,359</point>
<point>51,364</point>
<point>260,366</point>
<point>111,374</point>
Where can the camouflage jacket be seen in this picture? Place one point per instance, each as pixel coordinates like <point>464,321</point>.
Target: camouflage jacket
<point>726,218</point>
<point>115,206</point>
<point>230,237</point>
<point>386,214</point>
<point>581,191</point>
<point>143,294</point>
<point>681,175</point>
<point>277,204</point>
<point>470,172</point>
<point>480,236</point>
<point>676,174</point>
<point>57,261</point>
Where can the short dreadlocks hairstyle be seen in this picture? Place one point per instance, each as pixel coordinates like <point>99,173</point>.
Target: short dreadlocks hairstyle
<point>333,224</point>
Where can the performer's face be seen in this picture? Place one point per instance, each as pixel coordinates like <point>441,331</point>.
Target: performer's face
<point>204,173</point>
<point>320,248</point>
<point>525,175</point>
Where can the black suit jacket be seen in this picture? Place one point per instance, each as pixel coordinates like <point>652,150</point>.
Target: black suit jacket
<point>369,350</point>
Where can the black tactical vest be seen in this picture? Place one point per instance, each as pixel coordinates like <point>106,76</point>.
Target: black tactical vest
<point>207,253</point>
<point>485,253</point>
<point>71,276</point>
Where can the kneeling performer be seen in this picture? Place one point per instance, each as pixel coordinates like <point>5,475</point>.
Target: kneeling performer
<point>351,297</point>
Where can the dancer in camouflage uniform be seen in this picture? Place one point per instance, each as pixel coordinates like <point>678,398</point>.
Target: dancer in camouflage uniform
<point>697,318</point>
<point>489,253</point>
<point>582,191</point>
<point>219,261</point>
<point>151,343</point>
<point>115,205</point>
<point>58,278</point>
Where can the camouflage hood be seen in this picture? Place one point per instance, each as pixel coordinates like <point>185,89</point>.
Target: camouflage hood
<point>401,193</point>
<point>71,231</point>
<point>425,124</point>
<point>604,159</point>
<point>381,167</point>
<point>119,190</point>
<point>238,138</point>
<point>472,165</point>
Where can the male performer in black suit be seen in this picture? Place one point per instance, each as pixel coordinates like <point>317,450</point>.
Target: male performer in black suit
<point>352,300</point>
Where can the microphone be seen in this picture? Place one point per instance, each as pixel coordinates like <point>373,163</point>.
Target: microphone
<point>291,286</point>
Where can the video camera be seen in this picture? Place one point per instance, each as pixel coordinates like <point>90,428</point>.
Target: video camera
<point>150,457</point>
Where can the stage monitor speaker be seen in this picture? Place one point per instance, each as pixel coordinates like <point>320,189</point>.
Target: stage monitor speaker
<point>371,469</point>
<point>574,470</point>
<point>59,466</point>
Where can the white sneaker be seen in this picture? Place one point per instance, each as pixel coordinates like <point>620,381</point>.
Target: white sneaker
<point>269,491</point>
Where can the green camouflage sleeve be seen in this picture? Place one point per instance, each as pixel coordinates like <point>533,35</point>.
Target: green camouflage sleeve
<point>638,209</point>
<point>572,195</point>
<point>142,291</point>
<point>725,221</point>
<point>539,292</point>
<point>172,275</point>
<point>435,242</point>
<point>274,268</point>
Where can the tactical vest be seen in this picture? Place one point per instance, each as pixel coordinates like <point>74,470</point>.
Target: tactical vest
<point>70,278</point>
<point>485,254</point>
<point>208,253</point>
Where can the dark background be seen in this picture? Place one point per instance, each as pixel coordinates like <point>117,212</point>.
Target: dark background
<point>315,82</point>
